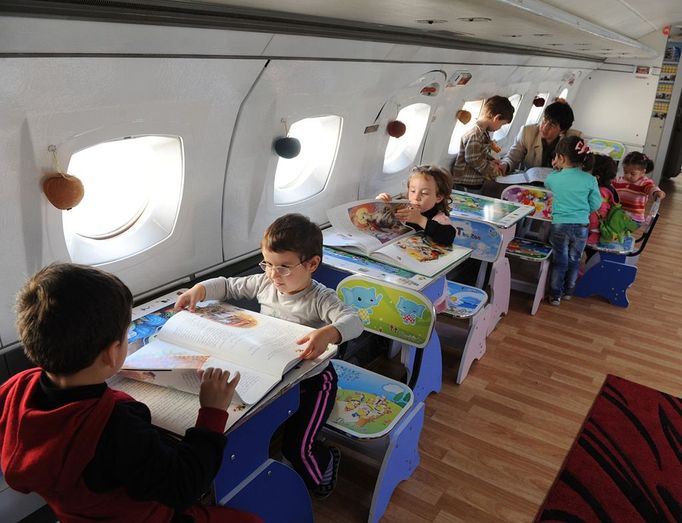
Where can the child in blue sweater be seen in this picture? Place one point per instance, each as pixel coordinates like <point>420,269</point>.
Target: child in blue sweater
<point>575,196</point>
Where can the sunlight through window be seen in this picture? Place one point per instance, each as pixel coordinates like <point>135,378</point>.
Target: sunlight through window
<point>474,107</point>
<point>306,175</point>
<point>401,152</point>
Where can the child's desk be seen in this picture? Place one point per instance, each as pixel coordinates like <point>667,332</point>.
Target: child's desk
<point>407,314</point>
<point>247,476</point>
<point>467,209</point>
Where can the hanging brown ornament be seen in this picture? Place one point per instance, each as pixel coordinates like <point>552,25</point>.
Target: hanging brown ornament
<point>396,128</point>
<point>63,190</point>
<point>463,116</point>
<point>538,101</point>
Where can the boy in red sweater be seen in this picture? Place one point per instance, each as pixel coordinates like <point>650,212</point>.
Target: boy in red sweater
<point>89,450</point>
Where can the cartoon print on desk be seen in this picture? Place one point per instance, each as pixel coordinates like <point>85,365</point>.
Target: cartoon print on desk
<point>482,238</point>
<point>464,301</point>
<point>540,199</point>
<point>361,408</point>
<point>366,404</point>
<point>363,300</point>
<point>410,311</point>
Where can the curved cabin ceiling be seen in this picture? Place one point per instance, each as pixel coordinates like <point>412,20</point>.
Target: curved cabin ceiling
<point>608,29</point>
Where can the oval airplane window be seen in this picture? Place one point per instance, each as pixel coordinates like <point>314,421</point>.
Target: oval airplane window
<point>502,132</point>
<point>400,152</point>
<point>536,112</point>
<point>132,191</point>
<point>306,175</point>
<point>474,107</point>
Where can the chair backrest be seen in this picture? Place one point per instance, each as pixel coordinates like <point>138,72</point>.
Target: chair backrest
<point>389,310</point>
<point>615,150</point>
<point>538,198</point>
<point>484,239</point>
<point>651,220</point>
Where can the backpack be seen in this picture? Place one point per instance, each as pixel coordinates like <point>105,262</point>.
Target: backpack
<point>616,225</point>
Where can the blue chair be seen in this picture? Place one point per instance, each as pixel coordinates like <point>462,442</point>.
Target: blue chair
<point>613,269</point>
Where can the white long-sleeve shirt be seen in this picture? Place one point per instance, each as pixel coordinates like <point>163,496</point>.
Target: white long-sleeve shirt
<point>315,306</point>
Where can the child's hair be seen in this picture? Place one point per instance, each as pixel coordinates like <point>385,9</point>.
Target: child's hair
<point>443,181</point>
<point>296,233</point>
<point>640,160</point>
<point>498,105</point>
<point>559,113</point>
<point>605,169</point>
<point>67,314</point>
<point>576,151</point>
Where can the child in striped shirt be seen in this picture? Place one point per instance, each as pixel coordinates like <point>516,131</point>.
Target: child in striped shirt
<point>634,187</point>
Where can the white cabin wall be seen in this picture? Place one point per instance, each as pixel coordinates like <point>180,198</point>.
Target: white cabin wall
<point>616,104</point>
<point>195,83</point>
<point>75,103</point>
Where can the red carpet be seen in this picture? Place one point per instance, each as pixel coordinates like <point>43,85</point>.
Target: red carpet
<point>626,463</point>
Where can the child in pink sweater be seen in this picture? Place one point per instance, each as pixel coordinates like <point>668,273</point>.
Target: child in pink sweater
<point>634,187</point>
<point>605,171</point>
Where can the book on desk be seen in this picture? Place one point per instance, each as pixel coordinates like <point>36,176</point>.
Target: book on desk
<point>497,212</point>
<point>370,228</point>
<point>167,349</point>
<point>534,174</point>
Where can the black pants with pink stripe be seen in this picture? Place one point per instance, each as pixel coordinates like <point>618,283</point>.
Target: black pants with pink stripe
<point>309,457</point>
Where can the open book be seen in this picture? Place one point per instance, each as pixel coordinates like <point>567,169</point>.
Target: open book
<point>370,228</point>
<point>261,348</point>
<point>534,174</point>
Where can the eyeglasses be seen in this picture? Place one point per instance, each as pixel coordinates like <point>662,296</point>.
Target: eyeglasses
<point>280,270</point>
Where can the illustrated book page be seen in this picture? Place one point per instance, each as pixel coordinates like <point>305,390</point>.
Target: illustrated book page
<point>262,349</point>
<point>534,174</point>
<point>366,225</point>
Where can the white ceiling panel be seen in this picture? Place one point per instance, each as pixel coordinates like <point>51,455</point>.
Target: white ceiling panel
<point>525,23</point>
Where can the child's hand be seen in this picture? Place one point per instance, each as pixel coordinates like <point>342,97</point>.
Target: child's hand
<point>384,196</point>
<point>216,390</point>
<point>498,167</point>
<point>411,213</point>
<point>318,341</point>
<point>190,298</point>
<point>659,195</point>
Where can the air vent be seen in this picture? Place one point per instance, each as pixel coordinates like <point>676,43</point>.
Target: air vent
<point>475,19</point>
<point>431,21</point>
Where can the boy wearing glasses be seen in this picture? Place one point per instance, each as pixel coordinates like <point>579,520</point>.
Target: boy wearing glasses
<point>292,251</point>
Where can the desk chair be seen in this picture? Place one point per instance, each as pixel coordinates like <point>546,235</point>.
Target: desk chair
<point>466,305</point>
<point>405,316</point>
<point>488,244</point>
<point>530,248</point>
<point>612,270</point>
<point>379,418</point>
<point>615,150</point>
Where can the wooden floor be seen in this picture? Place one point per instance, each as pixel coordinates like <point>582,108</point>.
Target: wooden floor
<point>491,447</point>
